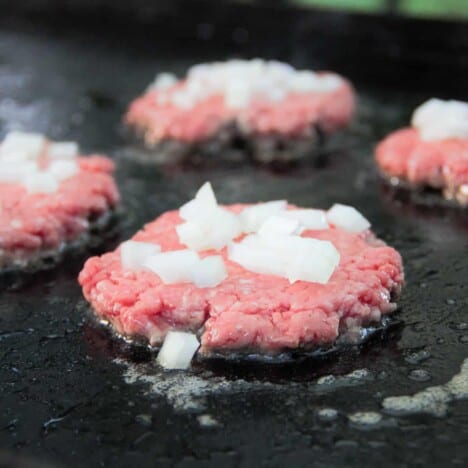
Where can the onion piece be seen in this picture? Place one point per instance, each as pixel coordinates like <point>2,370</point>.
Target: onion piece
<point>33,144</point>
<point>40,182</point>
<point>133,254</point>
<point>278,225</point>
<point>62,150</point>
<point>208,225</point>
<point>309,218</point>
<point>15,172</point>
<point>254,216</point>
<point>202,207</point>
<point>347,218</point>
<point>163,81</point>
<point>178,350</point>
<point>255,257</point>
<point>315,263</point>
<point>210,272</point>
<point>437,119</point>
<point>176,266</point>
<point>63,169</point>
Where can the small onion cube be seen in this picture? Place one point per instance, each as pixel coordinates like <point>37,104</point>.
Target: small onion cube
<point>316,268</point>
<point>192,235</point>
<point>164,81</point>
<point>210,272</point>
<point>309,218</point>
<point>254,216</point>
<point>437,119</point>
<point>62,150</point>
<point>133,254</point>
<point>347,218</point>
<point>40,182</point>
<point>16,171</point>
<point>31,143</point>
<point>176,266</point>
<point>178,350</point>
<point>63,169</point>
<point>256,258</point>
<point>279,225</point>
<point>206,195</point>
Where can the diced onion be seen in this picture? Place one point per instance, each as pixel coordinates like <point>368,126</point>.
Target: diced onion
<point>62,150</point>
<point>278,225</point>
<point>208,225</point>
<point>178,350</point>
<point>347,218</point>
<point>32,144</point>
<point>133,254</point>
<point>288,256</point>
<point>437,119</point>
<point>163,81</point>
<point>63,169</point>
<point>16,171</point>
<point>40,182</point>
<point>176,266</point>
<point>254,216</point>
<point>309,218</point>
<point>210,272</point>
<point>240,82</point>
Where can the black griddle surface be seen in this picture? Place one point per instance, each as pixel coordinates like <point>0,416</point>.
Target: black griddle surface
<point>63,396</point>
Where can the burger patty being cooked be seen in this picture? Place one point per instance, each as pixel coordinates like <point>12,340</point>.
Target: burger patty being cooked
<point>47,203</point>
<point>273,111</point>
<point>433,153</point>
<point>251,306</point>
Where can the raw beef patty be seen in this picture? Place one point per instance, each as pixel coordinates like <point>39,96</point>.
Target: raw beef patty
<point>247,310</point>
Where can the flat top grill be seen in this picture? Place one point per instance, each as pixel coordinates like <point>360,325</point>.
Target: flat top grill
<point>67,396</point>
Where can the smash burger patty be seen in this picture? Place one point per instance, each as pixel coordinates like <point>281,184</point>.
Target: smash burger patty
<point>433,153</point>
<point>251,299</point>
<point>268,105</point>
<point>49,197</point>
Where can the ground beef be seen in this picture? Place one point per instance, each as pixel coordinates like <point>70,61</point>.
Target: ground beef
<point>247,311</point>
<point>32,224</point>
<point>296,117</point>
<point>441,165</point>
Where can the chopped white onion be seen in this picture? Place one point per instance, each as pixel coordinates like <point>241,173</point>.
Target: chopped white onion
<point>316,262</point>
<point>32,144</point>
<point>208,225</point>
<point>176,266</point>
<point>40,182</point>
<point>257,258</point>
<point>62,150</point>
<point>133,254</point>
<point>210,272</point>
<point>211,233</point>
<point>193,236</point>
<point>347,218</point>
<point>163,81</point>
<point>309,218</point>
<point>178,350</point>
<point>16,171</point>
<point>288,256</point>
<point>254,216</point>
<point>437,119</point>
<point>242,81</point>
<point>63,169</point>
<point>278,225</point>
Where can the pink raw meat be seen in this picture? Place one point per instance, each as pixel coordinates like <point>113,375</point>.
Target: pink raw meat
<point>438,164</point>
<point>247,311</point>
<point>31,223</point>
<point>292,117</point>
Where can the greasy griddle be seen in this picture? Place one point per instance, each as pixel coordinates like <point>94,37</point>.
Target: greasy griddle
<point>63,397</point>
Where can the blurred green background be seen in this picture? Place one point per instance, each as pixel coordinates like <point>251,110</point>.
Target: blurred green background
<point>450,9</point>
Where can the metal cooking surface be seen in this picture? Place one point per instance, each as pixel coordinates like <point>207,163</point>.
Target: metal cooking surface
<point>67,393</point>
